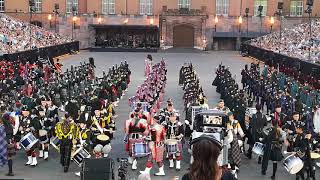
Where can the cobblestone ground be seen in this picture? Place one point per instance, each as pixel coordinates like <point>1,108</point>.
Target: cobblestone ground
<point>204,63</point>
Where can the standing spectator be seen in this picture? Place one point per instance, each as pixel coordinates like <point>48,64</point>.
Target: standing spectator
<point>205,151</point>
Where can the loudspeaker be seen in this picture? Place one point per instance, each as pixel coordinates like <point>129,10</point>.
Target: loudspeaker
<point>260,8</point>
<point>247,10</point>
<point>97,169</point>
<point>56,6</point>
<point>309,2</point>
<point>280,5</point>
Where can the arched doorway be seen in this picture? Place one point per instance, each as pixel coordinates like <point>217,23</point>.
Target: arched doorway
<point>183,36</point>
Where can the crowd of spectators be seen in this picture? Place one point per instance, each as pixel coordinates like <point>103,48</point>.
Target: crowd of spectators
<point>295,42</point>
<point>15,36</point>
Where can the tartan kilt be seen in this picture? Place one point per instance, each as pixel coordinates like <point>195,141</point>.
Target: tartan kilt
<point>276,154</point>
<point>157,152</point>
<point>234,153</point>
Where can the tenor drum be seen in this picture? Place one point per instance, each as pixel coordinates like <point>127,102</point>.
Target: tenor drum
<point>43,136</point>
<point>79,155</point>
<point>293,164</point>
<point>103,139</point>
<point>258,149</point>
<point>28,141</point>
<point>171,146</point>
<point>140,149</point>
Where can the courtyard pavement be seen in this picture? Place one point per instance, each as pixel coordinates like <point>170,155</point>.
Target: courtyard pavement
<point>204,63</point>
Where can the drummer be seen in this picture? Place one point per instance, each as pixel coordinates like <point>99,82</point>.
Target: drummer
<point>84,136</point>
<point>256,125</point>
<point>156,139</point>
<point>273,144</point>
<point>309,163</point>
<point>44,135</point>
<point>31,124</point>
<point>67,132</point>
<point>290,128</point>
<point>301,148</point>
<point>175,132</point>
<point>136,129</point>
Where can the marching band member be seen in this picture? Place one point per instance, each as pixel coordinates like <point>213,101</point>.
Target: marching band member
<point>222,107</point>
<point>278,117</point>
<point>301,149</point>
<point>310,164</point>
<point>273,143</point>
<point>136,130</point>
<point>44,135</point>
<point>67,132</point>
<point>290,128</point>
<point>84,115</point>
<point>234,152</point>
<point>84,135</point>
<point>148,65</point>
<point>256,125</point>
<point>168,111</point>
<point>31,124</point>
<point>83,139</point>
<point>157,134</point>
<point>175,131</point>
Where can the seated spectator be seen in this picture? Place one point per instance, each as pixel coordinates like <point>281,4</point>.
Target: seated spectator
<point>15,36</point>
<point>294,42</point>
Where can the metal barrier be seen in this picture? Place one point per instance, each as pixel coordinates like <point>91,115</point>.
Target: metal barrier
<point>273,58</point>
<point>45,52</point>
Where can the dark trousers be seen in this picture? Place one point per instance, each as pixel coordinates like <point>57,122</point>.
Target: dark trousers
<point>65,152</point>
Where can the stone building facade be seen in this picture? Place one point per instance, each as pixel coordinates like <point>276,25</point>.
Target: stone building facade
<point>181,23</point>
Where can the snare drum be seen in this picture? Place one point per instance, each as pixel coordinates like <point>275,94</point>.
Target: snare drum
<point>55,142</point>
<point>140,149</point>
<point>28,141</point>
<point>258,148</point>
<point>103,139</point>
<point>293,164</point>
<point>171,146</point>
<point>79,155</point>
<point>43,136</point>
